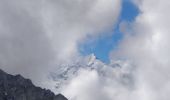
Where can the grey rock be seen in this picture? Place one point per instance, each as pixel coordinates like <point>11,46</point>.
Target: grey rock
<point>18,88</point>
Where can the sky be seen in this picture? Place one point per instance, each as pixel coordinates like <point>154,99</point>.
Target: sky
<point>102,47</point>
<point>130,39</point>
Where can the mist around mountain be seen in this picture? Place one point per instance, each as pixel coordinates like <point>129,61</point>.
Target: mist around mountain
<point>90,72</point>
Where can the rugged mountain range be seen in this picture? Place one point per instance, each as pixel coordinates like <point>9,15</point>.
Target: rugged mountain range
<point>119,70</point>
<point>18,88</point>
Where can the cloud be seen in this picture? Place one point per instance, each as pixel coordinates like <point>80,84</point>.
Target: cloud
<point>35,36</point>
<point>79,87</point>
<point>146,44</point>
<point>77,20</point>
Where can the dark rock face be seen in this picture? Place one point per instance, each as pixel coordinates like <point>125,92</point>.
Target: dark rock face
<point>18,88</point>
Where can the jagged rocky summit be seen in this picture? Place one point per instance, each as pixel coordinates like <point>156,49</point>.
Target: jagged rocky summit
<point>19,88</point>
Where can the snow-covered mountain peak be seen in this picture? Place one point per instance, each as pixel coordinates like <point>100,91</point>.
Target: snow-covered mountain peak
<point>64,73</point>
<point>92,59</point>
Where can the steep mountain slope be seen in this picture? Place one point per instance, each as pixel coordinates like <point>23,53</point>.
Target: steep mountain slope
<point>18,88</point>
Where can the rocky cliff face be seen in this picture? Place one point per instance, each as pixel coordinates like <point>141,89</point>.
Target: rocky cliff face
<point>18,88</point>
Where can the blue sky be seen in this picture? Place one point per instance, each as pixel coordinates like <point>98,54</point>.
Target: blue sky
<point>104,45</point>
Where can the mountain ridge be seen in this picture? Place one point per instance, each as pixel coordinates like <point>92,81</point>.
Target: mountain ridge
<point>16,87</point>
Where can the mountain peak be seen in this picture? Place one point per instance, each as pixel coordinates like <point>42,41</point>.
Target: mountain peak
<point>91,59</point>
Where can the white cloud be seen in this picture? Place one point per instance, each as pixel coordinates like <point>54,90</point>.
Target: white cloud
<point>36,35</point>
<point>146,44</point>
<point>85,87</point>
<point>75,20</point>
